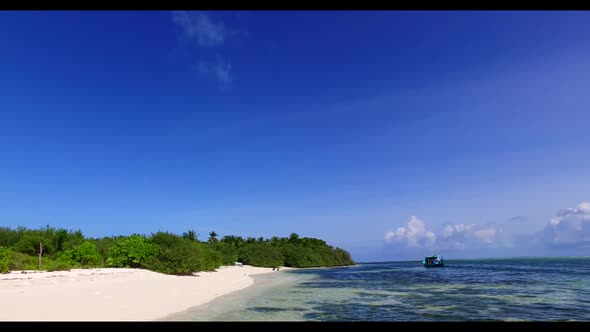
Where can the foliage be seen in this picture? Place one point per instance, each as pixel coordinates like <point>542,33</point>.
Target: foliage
<point>27,241</point>
<point>261,254</point>
<point>22,261</point>
<point>191,235</point>
<point>131,251</point>
<point>296,256</point>
<point>29,244</point>
<point>176,255</point>
<point>70,240</point>
<point>103,245</point>
<point>234,241</point>
<point>5,259</point>
<point>211,259</point>
<point>212,237</point>
<point>62,263</point>
<point>228,253</point>
<point>163,252</point>
<point>83,255</point>
<point>8,237</point>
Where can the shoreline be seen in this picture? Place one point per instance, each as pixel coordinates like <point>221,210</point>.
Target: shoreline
<point>114,294</point>
<point>216,309</point>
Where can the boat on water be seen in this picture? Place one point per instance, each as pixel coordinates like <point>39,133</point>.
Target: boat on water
<point>433,261</point>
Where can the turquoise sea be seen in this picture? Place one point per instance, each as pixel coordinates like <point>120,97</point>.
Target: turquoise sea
<point>532,289</point>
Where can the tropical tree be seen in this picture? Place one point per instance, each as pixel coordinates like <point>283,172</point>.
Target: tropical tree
<point>294,238</point>
<point>235,241</point>
<point>131,251</point>
<point>212,237</point>
<point>191,235</point>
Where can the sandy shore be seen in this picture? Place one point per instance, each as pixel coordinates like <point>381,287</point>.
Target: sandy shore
<point>113,294</point>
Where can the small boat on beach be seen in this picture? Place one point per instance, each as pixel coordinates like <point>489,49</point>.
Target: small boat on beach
<point>433,261</point>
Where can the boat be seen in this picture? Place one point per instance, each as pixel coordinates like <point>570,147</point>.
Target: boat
<point>433,261</point>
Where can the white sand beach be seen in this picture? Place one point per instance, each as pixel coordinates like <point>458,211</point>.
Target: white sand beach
<point>113,294</point>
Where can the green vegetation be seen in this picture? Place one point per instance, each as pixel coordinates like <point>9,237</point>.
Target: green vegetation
<point>6,256</point>
<point>181,255</point>
<point>83,255</point>
<point>131,251</point>
<point>165,252</point>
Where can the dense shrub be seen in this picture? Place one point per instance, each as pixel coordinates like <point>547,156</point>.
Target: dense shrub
<point>296,256</point>
<point>29,244</point>
<point>5,259</point>
<point>342,257</point>
<point>82,255</point>
<point>87,255</point>
<point>22,261</point>
<point>61,263</point>
<point>103,245</point>
<point>261,254</point>
<point>131,251</point>
<point>211,259</point>
<point>228,253</point>
<point>68,240</point>
<point>8,237</point>
<point>181,256</point>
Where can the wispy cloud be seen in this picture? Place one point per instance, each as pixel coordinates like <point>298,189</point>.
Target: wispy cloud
<point>219,70</point>
<point>208,35</point>
<point>517,218</point>
<point>199,27</point>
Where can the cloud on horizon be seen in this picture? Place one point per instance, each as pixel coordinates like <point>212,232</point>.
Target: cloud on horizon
<point>569,229</point>
<point>416,235</point>
<point>207,35</point>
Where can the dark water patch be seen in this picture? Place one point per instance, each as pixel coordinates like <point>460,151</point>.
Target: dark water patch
<point>267,309</point>
<point>364,293</point>
<point>297,291</point>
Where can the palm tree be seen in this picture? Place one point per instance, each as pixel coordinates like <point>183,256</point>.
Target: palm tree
<point>191,235</point>
<point>228,239</point>
<point>212,237</point>
<point>236,241</point>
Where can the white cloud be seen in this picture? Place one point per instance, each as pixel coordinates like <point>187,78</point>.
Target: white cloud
<point>570,227</point>
<point>568,232</point>
<point>459,236</point>
<point>208,35</point>
<point>201,28</point>
<point>486,234</point>
<point>389,236</point>
<point>414,234</point>
<point>452,236</point>
<point>220,70</point>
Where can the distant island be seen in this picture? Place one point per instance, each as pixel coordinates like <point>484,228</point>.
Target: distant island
<point>53,249</point>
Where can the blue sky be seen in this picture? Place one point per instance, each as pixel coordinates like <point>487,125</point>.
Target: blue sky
<point>390,134</point>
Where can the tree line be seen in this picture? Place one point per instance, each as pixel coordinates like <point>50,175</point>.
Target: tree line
<point>54,249</point>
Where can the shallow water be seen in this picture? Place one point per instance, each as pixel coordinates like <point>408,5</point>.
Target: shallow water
<point>463,290</point>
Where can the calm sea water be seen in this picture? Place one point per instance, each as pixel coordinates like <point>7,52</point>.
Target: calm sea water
<point>463,290</point>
